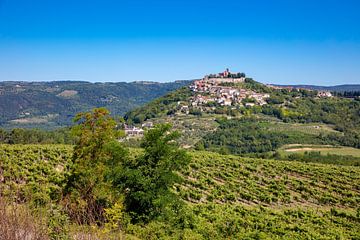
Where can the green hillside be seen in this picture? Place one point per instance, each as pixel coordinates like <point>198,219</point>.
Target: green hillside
<point>257,127</point>
<point>54,104</point>
<point>337,88</point>
<point>227,197</point>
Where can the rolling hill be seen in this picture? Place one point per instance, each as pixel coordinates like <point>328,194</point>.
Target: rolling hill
<point>248,118</point>
<point>337,88</point>
<point>54,104</point>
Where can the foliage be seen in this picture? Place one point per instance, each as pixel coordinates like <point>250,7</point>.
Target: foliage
<point>338,88</point>
<point>241,136</point>
<point>116,217</point>
<point>35,136</point>
<point>148,179</point>
<point>159,107</point>
<point>231,197</point>
<point>233,179</point>
<point>317,157</point>
<point>34,172</point>
<point>229,221</point>
<point>250,135</point>
<point>94,130</point>
<point>227,197</point>
<point>88,192</point>
<point>344,114</point>
<point>31,101</point>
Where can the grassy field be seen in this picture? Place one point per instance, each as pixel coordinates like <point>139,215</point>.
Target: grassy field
<point>309,128</point>
<point>323,149</point>
<point>227,197</point>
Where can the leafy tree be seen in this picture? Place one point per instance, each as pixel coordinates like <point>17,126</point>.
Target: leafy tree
<point>275,100</point>
<point>3,136</point>
<point>89,191</point>
<point>148,180</point>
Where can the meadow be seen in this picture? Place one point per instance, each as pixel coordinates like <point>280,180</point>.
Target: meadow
<point>323,149</point>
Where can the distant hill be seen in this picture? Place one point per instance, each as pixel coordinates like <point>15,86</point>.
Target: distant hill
<point>337,88</point>
<point>54,104</point>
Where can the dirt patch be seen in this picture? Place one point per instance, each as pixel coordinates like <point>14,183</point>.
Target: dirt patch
<point>67,93</point>
<point>304,149</point>
<point>29,120</point>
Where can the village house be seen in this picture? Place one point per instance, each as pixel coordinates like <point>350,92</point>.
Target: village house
<point>324,94</point>
<point>147,125</point>
<point>132,131</point>
<point>185,109</point>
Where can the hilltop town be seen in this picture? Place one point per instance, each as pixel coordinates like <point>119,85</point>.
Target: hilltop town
<point>226,93</point>
<point>225,89</point>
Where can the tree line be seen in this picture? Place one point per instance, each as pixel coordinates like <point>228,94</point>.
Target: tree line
<point>36,136</point>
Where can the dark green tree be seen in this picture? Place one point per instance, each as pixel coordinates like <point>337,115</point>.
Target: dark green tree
<point>149,180</point>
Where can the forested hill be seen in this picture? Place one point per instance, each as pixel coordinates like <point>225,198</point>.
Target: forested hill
<point>252,119</point>
<point>54,104</point>
<point>337,88</point>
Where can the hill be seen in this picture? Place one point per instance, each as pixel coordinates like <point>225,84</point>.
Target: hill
<point>337,88</point>
<point>227,197</point>
<point>238,115</point>
<point>54,104</point>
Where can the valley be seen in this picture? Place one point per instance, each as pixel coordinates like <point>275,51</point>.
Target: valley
<point>51,105</point>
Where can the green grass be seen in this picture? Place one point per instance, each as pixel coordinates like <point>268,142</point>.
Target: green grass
<point>323,149</point>
<point>308,128</point>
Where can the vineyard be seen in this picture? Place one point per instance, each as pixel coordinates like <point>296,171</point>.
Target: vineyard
<point>33,171</point>
<point>227,197</point>
<point>229,179</point>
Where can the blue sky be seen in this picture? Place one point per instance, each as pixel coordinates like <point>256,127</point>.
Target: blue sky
<point>273,41</point>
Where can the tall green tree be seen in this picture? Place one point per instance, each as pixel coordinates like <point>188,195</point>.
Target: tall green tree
<point>88,191</point>
<point>148,181</point>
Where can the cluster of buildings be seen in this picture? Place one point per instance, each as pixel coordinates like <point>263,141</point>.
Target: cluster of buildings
<point>133,131</point>
<point>320,94</point>
<point>214,89</point>
<point>324,94</point>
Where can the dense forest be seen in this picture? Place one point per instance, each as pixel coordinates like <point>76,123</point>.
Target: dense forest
<point>54,104</point>
<point>249,135</point>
